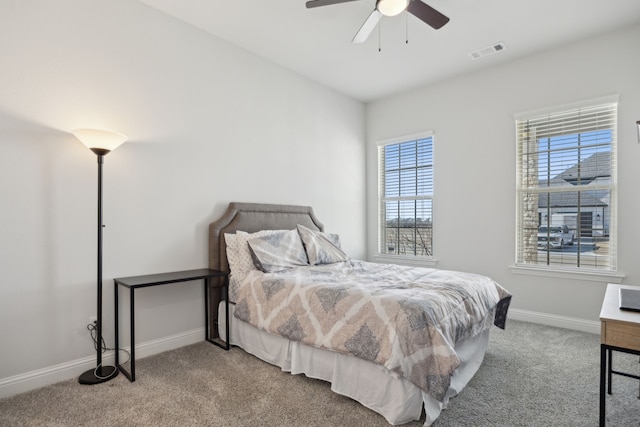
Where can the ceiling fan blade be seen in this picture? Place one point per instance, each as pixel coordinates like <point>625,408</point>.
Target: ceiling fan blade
<point>318,3</point>
<point>363,33</point>
<point>426,13</point>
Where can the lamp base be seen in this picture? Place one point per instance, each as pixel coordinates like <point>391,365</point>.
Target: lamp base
<point>98,375</point>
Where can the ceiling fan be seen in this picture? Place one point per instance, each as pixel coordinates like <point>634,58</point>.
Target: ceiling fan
<point>417,8</point>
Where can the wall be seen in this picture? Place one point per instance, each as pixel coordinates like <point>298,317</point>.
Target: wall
<point>474,209</point>
<point>208,124</point>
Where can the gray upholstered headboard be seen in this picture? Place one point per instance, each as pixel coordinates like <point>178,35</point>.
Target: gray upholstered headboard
<point>251,217</point>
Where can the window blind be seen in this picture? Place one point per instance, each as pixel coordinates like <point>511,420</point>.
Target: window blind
<point>406,196</point>
<point>566,195</point>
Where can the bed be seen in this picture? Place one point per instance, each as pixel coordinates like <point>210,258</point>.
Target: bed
<point>371,363</point>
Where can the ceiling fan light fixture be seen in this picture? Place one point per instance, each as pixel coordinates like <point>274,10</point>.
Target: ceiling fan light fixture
<point>392,7</point>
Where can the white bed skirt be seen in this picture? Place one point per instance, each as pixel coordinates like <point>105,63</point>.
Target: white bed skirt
<point>372,385</point>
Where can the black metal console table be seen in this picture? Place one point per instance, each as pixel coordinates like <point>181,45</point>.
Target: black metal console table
<point>136,282</point>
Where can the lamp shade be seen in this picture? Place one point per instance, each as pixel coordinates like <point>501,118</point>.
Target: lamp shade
<point>392,7</point>
<point>100,139</point>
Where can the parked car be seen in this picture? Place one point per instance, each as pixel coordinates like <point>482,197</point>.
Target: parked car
<point>554,237</point>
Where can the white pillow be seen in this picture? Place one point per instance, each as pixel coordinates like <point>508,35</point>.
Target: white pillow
<point>321,248</point>
<point>232,252</point>
<point>278,252</point>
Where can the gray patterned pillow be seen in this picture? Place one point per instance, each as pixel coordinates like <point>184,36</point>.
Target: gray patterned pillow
<point>321,248</point>
<point>238,255</point>
<point>277,252</point>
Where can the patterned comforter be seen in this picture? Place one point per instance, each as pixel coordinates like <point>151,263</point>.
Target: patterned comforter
<point>407,319</point>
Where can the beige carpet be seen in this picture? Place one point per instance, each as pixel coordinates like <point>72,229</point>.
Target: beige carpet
<point>532,376</point>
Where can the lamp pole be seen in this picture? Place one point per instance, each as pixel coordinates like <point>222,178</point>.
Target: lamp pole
<point>101,143</point>
<point>100,225</point>
<point>101,373</point>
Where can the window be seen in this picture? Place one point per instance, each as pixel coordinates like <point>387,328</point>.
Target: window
<point>406,196</point>
<point>566,195</point>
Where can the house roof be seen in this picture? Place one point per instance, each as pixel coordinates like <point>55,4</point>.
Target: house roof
<point>568,200</point>
<point>597,165</point>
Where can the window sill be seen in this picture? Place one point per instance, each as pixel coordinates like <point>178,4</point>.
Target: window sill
<point>406,260</point>
<point>593,275</point>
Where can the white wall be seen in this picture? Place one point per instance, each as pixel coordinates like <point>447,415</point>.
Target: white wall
<point>208,124</point>
<point>474,207</point>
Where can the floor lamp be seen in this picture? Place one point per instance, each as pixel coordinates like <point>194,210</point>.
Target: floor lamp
<point>101,143</point>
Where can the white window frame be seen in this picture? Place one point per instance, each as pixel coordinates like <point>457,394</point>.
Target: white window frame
<point>382,200</point>
<point>524,262</point>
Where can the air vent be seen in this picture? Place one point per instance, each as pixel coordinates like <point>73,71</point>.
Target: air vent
<point>489,50</point>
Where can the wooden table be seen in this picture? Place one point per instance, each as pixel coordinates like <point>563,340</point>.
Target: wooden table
<point>620,331</point>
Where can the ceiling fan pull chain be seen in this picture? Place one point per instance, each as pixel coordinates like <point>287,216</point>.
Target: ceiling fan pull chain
<point>379,37</point>
<point>406,20</point>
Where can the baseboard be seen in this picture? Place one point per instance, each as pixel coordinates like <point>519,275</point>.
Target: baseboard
<point>555,320</point>
<point>41,377</point>
<point>64,371</point>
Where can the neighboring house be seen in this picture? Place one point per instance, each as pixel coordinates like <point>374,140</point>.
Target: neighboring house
<point>594,205</point>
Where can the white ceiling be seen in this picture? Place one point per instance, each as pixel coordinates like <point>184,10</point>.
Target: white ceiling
<point>316,43</point>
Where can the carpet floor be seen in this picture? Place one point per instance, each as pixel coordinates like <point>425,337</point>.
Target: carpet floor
<point>532,375</point>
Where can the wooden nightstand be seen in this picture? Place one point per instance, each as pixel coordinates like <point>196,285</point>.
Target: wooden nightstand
<point>136,282</point>
<point>620,331</point>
